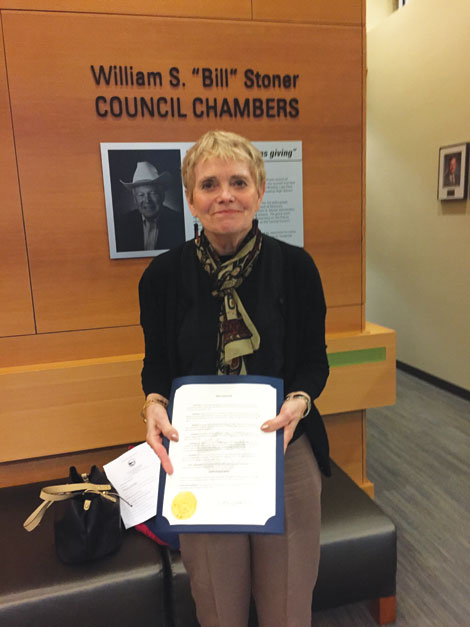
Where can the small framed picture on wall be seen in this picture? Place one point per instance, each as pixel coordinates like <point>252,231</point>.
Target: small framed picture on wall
<point>453,172</point>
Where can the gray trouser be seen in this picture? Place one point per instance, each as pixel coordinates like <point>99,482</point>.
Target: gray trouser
<point>280,570</point>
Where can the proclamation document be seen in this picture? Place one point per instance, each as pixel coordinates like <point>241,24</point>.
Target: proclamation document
<point>228,474</point>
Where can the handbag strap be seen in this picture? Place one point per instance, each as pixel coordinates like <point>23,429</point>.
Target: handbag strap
<point>53,493</point>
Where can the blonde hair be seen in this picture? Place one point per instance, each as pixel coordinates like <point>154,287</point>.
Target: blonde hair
<point>226,146</point>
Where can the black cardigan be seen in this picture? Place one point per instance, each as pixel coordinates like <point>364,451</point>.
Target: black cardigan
<point>283,296</point>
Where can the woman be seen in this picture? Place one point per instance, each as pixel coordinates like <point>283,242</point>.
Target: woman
<point>234,301</point>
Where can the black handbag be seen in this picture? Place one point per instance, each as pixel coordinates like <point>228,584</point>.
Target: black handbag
<point>90,526</point>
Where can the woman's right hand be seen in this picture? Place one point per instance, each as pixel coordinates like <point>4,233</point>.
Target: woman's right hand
<point>159,425</point>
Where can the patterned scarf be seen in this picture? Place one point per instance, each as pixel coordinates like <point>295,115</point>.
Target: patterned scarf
<point>237,334</point>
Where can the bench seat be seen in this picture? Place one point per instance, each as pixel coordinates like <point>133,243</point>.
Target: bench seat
<point>37,590</point>
<point>357,561</point>
<point>145,584</point>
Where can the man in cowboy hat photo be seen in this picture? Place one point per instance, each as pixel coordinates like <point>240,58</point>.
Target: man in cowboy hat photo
<point>151,225</point>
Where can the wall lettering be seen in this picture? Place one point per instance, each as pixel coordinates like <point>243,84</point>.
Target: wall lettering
<point>155,81</point>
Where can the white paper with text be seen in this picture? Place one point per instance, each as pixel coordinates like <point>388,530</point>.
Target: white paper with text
<point>224,465</point>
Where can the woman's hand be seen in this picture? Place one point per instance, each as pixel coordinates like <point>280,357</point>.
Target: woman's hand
<point>292,411</point>
<point>159,425</point>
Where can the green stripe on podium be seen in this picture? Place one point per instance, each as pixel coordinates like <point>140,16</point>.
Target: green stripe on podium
<point>354,358</point>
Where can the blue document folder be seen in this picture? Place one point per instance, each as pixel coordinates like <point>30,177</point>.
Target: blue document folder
<point>275,524</point>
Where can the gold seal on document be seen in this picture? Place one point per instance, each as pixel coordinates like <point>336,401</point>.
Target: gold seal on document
<point>184,505</point>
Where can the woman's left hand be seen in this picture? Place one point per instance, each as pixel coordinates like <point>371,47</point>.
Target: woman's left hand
<point>292,411</point>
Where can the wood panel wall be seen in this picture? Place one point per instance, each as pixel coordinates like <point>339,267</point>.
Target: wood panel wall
<point>16,306</point>
<point>52,102</point>
<point>62,299</point>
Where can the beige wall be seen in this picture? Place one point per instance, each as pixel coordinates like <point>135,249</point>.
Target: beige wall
<point>377,11</point>
<point>418,248</point>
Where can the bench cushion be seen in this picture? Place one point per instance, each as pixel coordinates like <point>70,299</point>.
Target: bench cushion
<point>358,557</point>
<point>125,588</point>
<point>358,553</point>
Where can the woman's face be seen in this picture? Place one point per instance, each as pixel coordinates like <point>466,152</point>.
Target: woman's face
<point>225,199</point>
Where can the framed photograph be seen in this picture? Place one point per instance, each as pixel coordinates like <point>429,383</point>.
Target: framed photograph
<point>145,205</point>
<point>453,172</point>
